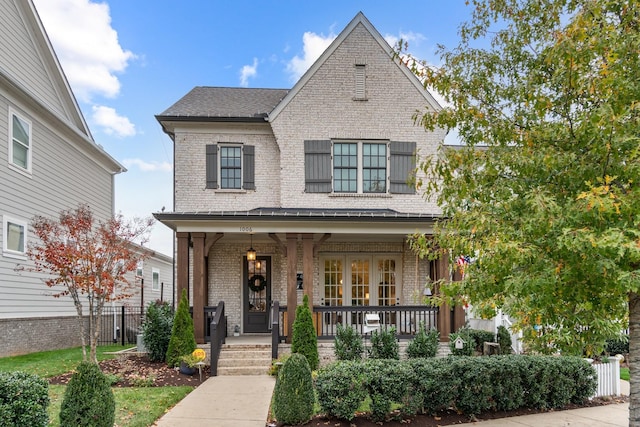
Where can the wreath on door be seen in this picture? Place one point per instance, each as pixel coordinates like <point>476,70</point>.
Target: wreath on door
<point>257,282</point>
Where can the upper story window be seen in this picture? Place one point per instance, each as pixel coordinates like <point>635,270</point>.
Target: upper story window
<point>14,237</point>
<point>155,279</point>
<point>20,142</point>
<point>230,166</point>
<point>366,167</point>
<point>359,167</point>
<point>140,269</point>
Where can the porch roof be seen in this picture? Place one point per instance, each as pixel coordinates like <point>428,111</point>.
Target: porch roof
<point>301,220</point>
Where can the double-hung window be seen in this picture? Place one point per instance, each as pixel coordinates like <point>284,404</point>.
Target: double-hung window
<point>230,166</point>
<point>360,167</point>
<point>14,237</point>
<point>155,279</point>
<point>20,142</point>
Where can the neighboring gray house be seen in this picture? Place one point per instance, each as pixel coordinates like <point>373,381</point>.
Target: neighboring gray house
<point>315,179</point>
<point>48,162</point>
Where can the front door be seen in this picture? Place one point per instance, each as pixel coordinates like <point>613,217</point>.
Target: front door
<point>257,294</point>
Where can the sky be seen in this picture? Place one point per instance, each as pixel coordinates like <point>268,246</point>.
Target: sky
<point>129,60</point>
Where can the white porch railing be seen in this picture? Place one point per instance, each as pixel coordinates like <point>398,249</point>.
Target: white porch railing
<point>608,378</point>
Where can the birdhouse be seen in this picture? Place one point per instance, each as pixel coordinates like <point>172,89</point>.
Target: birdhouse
<point>371,322</point>
<point>459,343</point>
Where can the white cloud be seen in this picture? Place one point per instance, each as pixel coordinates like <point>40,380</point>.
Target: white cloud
<point>86,45</point>
<point>313,46</point>
<point>248,71</point>
<point>410,37</point>
<point>111,123</point>
<point>145,166</point>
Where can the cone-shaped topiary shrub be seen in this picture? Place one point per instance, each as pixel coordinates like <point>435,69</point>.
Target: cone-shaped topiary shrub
<point>293,397</point>
<point>88,400</point>
<point>425,344</point>
<point>348,343</point>
<point>304,339</point>
<point>156,330</point>
<point>182,340</point>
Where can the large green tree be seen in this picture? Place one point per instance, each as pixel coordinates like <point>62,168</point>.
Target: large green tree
<point>544,193</point>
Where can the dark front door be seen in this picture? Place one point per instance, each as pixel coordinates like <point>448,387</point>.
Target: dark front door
<point>257,294</point>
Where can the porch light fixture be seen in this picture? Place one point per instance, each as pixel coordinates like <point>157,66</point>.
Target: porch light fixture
<point>251,253</point>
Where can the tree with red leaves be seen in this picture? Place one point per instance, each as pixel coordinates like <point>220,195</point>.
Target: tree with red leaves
<point>88,260</point>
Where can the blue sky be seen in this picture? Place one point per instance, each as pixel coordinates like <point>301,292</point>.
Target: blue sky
<point>128,60</point>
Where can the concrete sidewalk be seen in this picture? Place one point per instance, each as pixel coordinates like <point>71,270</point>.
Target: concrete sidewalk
<point>243,401</point>
<point>238,401</point>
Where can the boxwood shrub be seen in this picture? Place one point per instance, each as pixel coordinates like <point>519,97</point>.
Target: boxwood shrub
<point>24,399</point>
<point>472,385</point>
<point>293,397</point>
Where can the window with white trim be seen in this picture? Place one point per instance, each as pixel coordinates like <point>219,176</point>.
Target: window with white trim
<point>19,141</point>
<point>140,269</point>
<point>155,279</point>
<point>14,237</point>
<point>360,167</point>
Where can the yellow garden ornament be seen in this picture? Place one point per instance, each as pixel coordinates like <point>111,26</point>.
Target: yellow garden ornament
<point>199,354</point>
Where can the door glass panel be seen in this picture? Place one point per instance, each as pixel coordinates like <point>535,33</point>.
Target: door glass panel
<point>333,276</point>
<point>386,272</point>
<point>359,287</point>
<point>257,286</point>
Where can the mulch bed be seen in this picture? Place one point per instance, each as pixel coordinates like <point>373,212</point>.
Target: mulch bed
<point>135,371</point>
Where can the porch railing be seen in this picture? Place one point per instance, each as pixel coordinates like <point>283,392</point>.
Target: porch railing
<point>218,332</point>
<point>405,319</point>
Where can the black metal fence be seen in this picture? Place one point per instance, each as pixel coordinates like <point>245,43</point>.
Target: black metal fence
<point>120,325</point>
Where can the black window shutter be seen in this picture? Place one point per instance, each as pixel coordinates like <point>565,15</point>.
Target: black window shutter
<point>317,166</point>
<point>402,167</point>
<point>248,167</point>
<point>212,166</point>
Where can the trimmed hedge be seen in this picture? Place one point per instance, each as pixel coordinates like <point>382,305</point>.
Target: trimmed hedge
<point>156,330</point>
<point>384,344</point>
<point>24,399</point>
<point>293,397</point>
<point>88,400</point>
<point>304,339</point>
<point>424,344</point>
<point>472,385</point>
<point>348,344</point>
<point>183,340</point>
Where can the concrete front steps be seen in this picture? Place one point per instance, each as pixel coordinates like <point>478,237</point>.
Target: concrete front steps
<point>244,359</point>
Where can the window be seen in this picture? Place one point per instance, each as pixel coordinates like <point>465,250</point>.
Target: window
<point>155,279</point>
<point>343,167</point>
<point>14,237</point>
<point>20,142</point>
<point>230,166</point>
<point>359,167</point>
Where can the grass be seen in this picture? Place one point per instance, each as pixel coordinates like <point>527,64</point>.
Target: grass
<point>135,407</point>
<point>624,374</point>
<point>51,363</point>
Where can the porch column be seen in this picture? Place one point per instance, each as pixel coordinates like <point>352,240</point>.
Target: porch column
<point>459,317</point>
<point>182,266</point>
<point>198,286</point>
<point>444,314</point>
<point>307,267</point>
<point>292,296</point>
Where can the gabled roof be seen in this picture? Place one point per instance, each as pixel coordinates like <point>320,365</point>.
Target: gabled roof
<point>358,19</point>
<point>224,103</point>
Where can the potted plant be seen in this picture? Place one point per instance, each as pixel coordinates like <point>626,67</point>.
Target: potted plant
<point>189,362</point>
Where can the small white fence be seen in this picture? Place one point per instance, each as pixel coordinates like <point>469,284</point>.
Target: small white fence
<point>608,378</point>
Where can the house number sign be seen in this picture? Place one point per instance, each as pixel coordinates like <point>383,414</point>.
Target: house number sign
<point>246,228</point>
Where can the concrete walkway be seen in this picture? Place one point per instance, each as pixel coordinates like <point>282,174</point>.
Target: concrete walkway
<point>243,401</point>
<point>238,401</point>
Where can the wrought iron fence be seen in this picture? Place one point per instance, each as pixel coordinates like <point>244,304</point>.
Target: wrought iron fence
<point>120,325</point>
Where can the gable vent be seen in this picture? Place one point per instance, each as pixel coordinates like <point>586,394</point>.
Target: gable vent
<point>360,79</point>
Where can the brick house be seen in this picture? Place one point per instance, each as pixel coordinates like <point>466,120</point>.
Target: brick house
<point>315,179</point>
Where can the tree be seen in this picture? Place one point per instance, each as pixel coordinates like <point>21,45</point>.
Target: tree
<point>304,338</point>
<point>183,340</point>
<point>543,195</point>
<point>88,260</point>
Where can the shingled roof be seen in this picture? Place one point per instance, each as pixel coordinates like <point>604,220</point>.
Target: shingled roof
<point>225,102</point>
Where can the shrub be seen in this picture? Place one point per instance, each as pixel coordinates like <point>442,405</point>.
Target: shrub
<point>88,400</point>
<point>480,337</point>
<point>23,400</point>
<point>388,382</point>
<point>293,397</point>
<point>424,344</point>
<point>617,346</point>
<point>469,343</point>
<point>384,344</point>
<point>156,330</point>
<point>340,388</point>
<point>182,340</point>
<point>304,339</point>
<point>434,384</point>
<point>277,364</point>
<point>504,339</point>
<point>348,343</point>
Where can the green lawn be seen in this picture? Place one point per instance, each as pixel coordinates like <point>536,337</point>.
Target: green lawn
<point>624,374</point>
<point>135,407</point>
